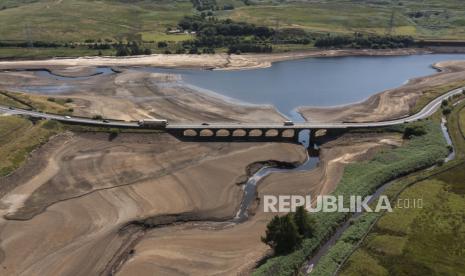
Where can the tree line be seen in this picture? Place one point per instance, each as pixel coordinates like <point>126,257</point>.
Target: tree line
<point>237,37</point>
<point>364,41</point>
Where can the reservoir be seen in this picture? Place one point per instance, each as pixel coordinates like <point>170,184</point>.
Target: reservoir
<point>325,81</point>
<point>287,85</point>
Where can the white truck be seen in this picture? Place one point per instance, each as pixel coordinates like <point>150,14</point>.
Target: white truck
<point>152,123</point>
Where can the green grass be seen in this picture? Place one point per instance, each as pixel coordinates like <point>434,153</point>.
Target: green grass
<point>78,20</point>
<point>410,241</point>
<point>362,179</point>
<point>426,241</point>
<point>431,93</point>
<point>55,105</point>
<point>319,17</point>
<point>153,36</point>
<point>18,137</point>
<point>367,265</point>
<point>32,53</point>
<point>441,19</point>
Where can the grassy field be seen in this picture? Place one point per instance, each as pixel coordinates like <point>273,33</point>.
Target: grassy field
<point>79,20</point>
<point>37,102</point>
<point>18,137</point>
<point>434,92</point>
<point>428,240</point>
<point>32,53</point>
<point>421,19</point>
<point>154,36</point>
<point>412,241</point>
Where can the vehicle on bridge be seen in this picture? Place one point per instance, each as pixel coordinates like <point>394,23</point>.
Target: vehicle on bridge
<point>152,123</point>
<point>288,123</point>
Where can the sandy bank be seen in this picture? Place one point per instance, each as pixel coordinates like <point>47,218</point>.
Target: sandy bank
<point>214,61</point>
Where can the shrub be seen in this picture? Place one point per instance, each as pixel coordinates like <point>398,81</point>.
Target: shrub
<point>446,110</point>
<point>414,130</point>
<point>162,44</point>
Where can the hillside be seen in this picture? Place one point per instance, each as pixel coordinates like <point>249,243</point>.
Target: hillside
<point>77,25</point>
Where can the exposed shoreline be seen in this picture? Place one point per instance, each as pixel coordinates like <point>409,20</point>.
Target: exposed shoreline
<point>376,107</point>
<point>213,62</point>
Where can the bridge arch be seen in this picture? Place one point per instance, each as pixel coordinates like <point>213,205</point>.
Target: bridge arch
<point>207,133</point>
<point>223,133</point>
<point>255,133</point>
<point>272,133</point>
<point>239,133</point>
<point>190,133</point>
<point>288,133</point>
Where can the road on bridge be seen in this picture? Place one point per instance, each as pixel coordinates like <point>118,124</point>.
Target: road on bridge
<point>427,111</point>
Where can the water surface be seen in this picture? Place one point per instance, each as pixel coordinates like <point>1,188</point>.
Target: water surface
<point>325,81</point>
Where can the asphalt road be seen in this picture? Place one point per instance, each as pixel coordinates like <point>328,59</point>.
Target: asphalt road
<point>427,111</point>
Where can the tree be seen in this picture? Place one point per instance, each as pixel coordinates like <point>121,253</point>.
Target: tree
<point>162,44</point>
<point>121,50</point>
<point>414,130</point>
<point>304,222</point>
<point>446,110</point>
<point>282,235</point>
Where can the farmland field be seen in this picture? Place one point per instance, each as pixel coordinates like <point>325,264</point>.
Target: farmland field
<point>79,20</point>
<point>428,240</point>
